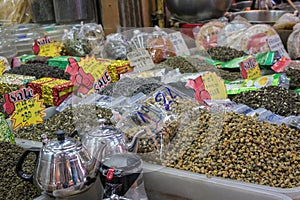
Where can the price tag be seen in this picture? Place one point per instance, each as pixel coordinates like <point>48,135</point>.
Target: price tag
<point>275,44</point>
<point>5,132</point>
<point>24,107</point>
<point>250,68</point>
<point>208,87</point>
<point>89,75</point>
<point>46,47</point>
<point>28,112</point>
<point>281,64</point>
<point>179,44</point>
<point>49,50</point>
<point>2,67</point>
<point>140,60</point>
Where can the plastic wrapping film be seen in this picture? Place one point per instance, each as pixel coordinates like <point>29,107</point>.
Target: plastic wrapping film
<point>93,37</point>
<point>156,73</point>
<point>72,44</point>
<point>128,87</point>
<point>84,39</point>
<point>208,34</point>
<point>160,47</point>
<point>15,12</point>
<point>293,44</point>
<point>263,114</point>
<point>171,118</point>
<point>286,21</point>
<point>116,47</point>
<point>232,32</point>
<point>159,115</point>
<point>139,40</point>
<point>256,39</point>
<point>296,26</point>
<point>160,43</point>
<point>135,192</point>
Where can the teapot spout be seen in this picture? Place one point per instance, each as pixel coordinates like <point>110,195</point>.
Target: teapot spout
<point>95,162</point>
<point>133,145</point>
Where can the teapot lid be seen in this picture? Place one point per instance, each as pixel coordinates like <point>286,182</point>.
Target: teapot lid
<point>62,143</point>
<point>104,130</point>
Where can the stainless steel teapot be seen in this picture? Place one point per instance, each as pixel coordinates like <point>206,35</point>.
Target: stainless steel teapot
<point>114,139</point>
<point>63,166</point>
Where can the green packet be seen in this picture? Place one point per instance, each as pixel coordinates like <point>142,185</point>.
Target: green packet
<point>239,86</point>
<point>265,60</point>
<point>61,61</point>
<point>297,90</point>
<point>19,60</point>
<point>5,131</point>
<point>232,64</point>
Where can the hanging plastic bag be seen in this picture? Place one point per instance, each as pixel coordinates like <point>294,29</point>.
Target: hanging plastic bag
<point>160,115</point>
<point>84,39</point>
<point>92,37</point>
<point>232,33</point>
<point>139,40</point>
<point>72,42</point>
<point>208,35</point>
<point>293,46</point>
<point>116,47</point>
<point>159,46</point>
<point>286,21</point>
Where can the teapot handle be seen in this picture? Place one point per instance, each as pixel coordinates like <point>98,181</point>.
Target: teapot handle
<point>19,165</point>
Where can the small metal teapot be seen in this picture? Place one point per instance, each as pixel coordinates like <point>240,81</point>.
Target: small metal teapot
<point>63,166</point>
<point>114,139</point>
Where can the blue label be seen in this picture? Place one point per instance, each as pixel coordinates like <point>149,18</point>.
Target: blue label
<point>162,97</point>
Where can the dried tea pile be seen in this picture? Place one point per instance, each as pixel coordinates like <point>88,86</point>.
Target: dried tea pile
<point>181,63</point>
<point>40,70</point>
<point>201,65</point>
<point>276,99</point>
<point>78,117</point>
<point>12,187</point>
<point>129,87</point>
<point>75,48</point>
<point>294,75</point>
<point>224,54</point>
<point>245,150</point>
<point>194,65</point>
<point>233,146</point>
<point>147,88</point>
<point>230,76</point>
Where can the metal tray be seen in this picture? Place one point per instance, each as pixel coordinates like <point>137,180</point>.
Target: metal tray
<point>261,16</point>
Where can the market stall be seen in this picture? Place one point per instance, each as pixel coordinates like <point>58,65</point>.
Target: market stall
<point>149,112</point>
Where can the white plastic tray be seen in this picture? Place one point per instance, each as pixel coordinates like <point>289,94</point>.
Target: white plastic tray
<point>173,184</point>
<point>163,183</point>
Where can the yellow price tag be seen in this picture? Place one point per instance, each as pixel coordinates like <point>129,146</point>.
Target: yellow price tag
<point>28,112</point>
<point>250,68</point>
<point>208,87</point>
<point>2,67</point>
<point>92,66</point>
<point>96,69</point>
<point>214,85</point>
<point>50,50</point>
